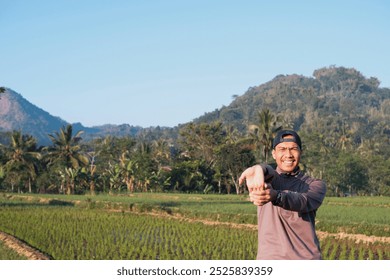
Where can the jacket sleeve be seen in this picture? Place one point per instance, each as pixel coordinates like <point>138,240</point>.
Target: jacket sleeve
<point>269,173</point>
<point>305,201</point>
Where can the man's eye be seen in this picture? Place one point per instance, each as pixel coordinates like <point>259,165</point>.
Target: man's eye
<point>294,149</point>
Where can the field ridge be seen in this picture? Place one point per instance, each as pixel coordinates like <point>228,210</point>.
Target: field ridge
<point>21,247</point>
<point>321,234</point>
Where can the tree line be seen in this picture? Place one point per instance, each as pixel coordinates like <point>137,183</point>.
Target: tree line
<point>205,158</point>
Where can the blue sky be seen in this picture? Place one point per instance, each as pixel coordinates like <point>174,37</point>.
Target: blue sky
<point>154,62</point>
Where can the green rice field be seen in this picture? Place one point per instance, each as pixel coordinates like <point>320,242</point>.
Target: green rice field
<point>157,226</point>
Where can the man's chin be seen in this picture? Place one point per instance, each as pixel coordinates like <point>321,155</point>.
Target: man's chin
<point>288,169</point>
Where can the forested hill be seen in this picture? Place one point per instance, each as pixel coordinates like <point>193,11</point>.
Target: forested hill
<point>342,117</point>
<point>335,100</point>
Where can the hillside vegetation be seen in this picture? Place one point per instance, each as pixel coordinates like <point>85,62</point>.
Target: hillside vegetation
<point>342,116</point>
<point>335,100</point>
<point>343,119</point>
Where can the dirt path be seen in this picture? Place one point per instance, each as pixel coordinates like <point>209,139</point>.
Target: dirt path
<point>22,248</point>
<point>356,237</point>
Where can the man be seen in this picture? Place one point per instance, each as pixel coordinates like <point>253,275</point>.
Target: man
<point>287,202</point>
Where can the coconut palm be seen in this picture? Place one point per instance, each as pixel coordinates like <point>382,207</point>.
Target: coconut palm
<point>66,150</point>
<point>22,158</point>
<point>262,133</point>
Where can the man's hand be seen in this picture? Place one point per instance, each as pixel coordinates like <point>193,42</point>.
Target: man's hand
<point>254,177</point>
<point>261,197</point>
<point>259,192</point>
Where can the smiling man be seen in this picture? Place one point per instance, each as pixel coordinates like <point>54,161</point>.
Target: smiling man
<point>287,202</point>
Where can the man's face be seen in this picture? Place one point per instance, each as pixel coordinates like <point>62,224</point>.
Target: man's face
<point>287,155</point>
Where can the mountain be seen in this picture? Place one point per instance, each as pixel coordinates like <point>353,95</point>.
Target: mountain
<point>333,100</point>
<point>16,113</point>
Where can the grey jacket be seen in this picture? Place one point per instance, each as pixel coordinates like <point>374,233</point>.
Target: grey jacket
<point>287,230</point>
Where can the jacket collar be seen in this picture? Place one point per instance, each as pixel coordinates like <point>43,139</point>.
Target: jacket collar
<point>294,173</point>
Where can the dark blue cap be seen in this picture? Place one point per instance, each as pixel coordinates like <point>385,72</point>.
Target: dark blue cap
<point>279,138</point>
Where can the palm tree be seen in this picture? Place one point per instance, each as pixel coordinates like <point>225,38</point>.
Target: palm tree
<point>262,133</point>
<point>22,158</point>
<point>66,149</point>
<point>66,152</point>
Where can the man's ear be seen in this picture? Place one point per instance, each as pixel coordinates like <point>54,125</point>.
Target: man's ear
<point>273,154</point>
